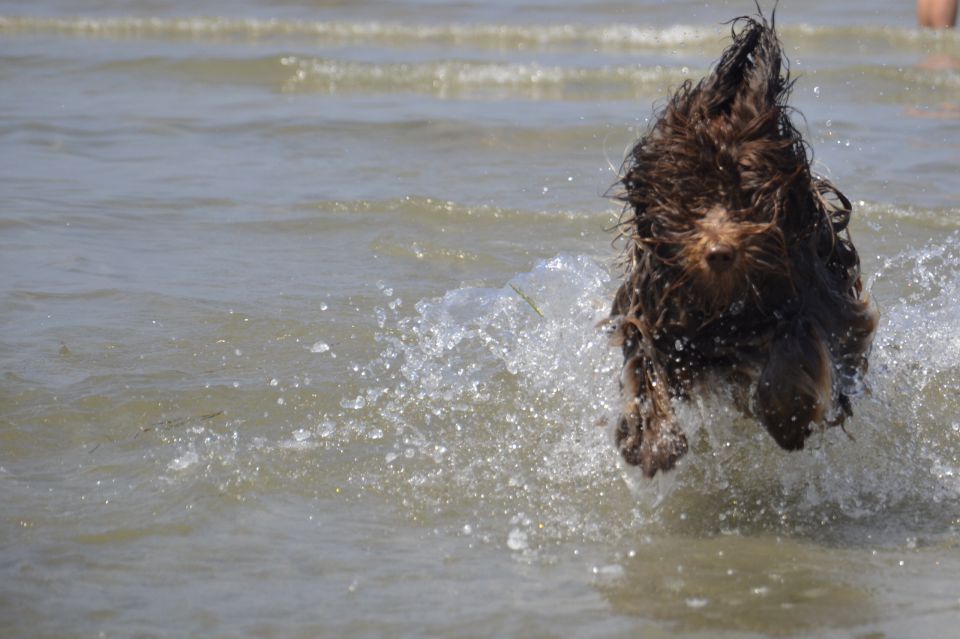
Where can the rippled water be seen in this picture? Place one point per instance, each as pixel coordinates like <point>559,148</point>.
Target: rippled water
<point>299,306</point>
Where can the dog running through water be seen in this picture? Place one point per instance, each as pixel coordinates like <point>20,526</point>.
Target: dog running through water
<point>739,264</point>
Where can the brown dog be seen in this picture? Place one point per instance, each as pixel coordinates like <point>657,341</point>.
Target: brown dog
<point>739,266</point>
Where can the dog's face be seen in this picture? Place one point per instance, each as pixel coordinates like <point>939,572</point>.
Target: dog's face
<point>718,220</point>
<point>726,255</point>
<point>726,212</point>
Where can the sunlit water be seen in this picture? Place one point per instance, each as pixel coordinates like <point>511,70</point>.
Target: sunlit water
<point>300,308</point>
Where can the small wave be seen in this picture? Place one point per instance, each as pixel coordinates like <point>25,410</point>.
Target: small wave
<point>611,37</point>
<point>878,214</point>
<point>443,78</point>
<point>453,77</point>
<point>433,209</point>
<point>481,35</point>
<point>904,84</point>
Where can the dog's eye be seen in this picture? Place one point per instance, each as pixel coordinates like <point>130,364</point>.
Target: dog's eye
<point>752,211</point>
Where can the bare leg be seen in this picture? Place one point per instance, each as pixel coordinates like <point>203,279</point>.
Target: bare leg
<point>937,14</point>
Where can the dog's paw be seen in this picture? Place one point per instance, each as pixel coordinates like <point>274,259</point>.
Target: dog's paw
<point>655,447</point>
<point>795,386</point>
<point>662,448</point>
<point>629,437</point>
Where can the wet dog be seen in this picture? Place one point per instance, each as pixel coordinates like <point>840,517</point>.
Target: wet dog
<point>739,265</point>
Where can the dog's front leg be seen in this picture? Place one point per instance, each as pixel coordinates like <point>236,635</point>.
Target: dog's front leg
<point>648,434</point>
<point>796,385</point>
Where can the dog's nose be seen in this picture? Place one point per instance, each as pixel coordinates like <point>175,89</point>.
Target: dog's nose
<point>720,257</point>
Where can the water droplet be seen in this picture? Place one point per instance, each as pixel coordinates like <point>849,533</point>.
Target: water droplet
<point>517,539</point>
<point>319,347</point>
<point>355,404</point>
<point>327,428</point>
<point>184,461</point>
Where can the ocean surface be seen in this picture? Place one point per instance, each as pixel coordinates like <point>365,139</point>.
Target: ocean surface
<point>298,307</point>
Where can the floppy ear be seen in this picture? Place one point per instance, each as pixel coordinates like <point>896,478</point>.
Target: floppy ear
<point>752,65</point>
<point>796,384</point>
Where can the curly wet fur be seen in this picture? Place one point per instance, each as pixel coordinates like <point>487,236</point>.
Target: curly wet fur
<point>739,262</point>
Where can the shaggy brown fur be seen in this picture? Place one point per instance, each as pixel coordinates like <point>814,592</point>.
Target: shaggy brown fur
<point>740,266</point>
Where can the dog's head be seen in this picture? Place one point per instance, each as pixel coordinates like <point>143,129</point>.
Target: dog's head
<point>721,207</point>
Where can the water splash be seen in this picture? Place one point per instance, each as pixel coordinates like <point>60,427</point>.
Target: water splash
<point>492,421</point>
<point>917,361</point>
<point>493,410</point>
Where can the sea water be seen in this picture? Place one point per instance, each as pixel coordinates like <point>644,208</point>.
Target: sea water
<point>300,304</point>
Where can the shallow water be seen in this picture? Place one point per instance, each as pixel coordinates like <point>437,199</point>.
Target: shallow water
<point>266,371</point>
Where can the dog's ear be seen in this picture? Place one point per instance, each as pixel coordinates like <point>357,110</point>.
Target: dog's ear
<point>753,65</point>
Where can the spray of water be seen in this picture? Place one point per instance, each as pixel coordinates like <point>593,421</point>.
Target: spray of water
<point>487,412</point>
<point>497,402</point>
